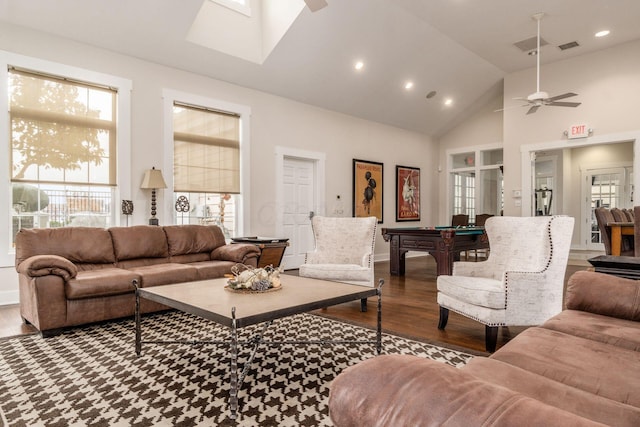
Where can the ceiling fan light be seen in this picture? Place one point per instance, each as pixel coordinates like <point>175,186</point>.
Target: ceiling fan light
<point>537,96</point>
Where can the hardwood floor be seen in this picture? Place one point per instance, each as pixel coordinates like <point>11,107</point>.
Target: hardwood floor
<point>409,309</point>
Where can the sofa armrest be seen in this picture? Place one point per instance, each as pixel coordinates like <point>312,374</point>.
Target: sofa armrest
<point>402,390</point>
<point>243,253</point>
<point>44,265</point>
<point>604,294</point>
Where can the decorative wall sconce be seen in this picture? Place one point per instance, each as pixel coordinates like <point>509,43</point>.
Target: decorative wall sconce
<point>153,180</point>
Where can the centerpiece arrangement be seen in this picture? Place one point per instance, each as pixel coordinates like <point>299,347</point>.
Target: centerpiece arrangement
<point>247,279</point>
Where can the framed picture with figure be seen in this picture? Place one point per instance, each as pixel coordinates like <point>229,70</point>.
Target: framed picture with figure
<point>407,193</point>
<point>367,189</point>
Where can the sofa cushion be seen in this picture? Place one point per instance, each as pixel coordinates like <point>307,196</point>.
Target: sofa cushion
<point>139,241</point>
<point>604,294</point>
<point>553,393</point>
<point>165,274</point>
<point>403,390</point>
<point>605,329</point>
<point>99,283</point>
<point>77,244</point>
<point>595,367</point>
<point>212,269</point>
<point>192,239</point>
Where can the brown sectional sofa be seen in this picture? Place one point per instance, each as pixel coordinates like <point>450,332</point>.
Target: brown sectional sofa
<point>76,275</point>
<point>580,368</point>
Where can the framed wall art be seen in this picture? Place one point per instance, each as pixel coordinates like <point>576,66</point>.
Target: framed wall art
<point>367,189</point>
<point>407,193</point>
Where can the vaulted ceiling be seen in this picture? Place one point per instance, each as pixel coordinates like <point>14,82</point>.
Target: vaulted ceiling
<point>461,49</point>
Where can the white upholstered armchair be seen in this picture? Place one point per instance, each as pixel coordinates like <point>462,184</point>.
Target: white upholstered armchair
<point>522,281</point>
<point>344,250</point>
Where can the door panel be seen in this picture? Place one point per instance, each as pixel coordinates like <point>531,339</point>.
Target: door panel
<point>299,196</point>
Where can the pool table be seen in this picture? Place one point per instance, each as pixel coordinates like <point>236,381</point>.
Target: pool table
<point>443,243</point>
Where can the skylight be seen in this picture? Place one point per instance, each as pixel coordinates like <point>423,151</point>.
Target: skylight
<point>241,6</point>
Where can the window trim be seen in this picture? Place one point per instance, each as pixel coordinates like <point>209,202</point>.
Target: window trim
<point>477,167</point>
<point>123,141</point>
<point>171,96</point>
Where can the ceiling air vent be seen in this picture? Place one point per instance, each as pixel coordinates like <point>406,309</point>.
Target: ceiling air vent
<point>568,45</point>
<point>530,44</point>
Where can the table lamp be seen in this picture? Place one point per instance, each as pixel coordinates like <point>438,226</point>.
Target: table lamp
<point>153,180</point>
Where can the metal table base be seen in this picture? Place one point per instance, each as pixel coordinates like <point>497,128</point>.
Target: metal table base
<point>235,378</point>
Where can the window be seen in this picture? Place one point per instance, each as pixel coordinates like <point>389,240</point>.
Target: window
<point>63,151</point>
<point>206,166</point>
<point>476,182</point>
<point>242,6</point>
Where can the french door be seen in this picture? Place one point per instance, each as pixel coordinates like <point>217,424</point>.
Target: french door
<point>609,188</point>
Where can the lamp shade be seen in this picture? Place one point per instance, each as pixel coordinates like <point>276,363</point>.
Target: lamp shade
<point>153,179</point>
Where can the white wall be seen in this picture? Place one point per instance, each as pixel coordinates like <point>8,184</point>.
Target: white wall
<point>608,84</point>
<point>275,121</point>
<point>481,129</point>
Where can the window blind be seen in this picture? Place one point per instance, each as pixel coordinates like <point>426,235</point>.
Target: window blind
<point>62,131</point>
<point>206,155</point>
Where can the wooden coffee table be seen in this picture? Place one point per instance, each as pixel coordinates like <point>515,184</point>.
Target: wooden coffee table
<point>210,300</point>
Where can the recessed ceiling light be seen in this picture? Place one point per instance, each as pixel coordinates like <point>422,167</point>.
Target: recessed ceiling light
<point>448,101</point>
<point>602,33</point>
<point>431,94</point>
<point>359,65</point>
<point>408,85</point>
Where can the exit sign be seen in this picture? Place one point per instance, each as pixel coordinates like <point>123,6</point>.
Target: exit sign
<point>578,131</point>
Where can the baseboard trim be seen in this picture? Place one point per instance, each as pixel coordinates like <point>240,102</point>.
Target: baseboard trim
<point>9,297</point>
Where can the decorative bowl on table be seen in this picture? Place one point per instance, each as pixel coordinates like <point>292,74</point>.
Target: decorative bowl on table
<point>246,279</point>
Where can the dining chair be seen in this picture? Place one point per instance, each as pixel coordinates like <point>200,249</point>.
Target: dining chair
<point>460,220</point>
<point>480,220</point>
<point>604,216</point>
<point>522,281</point>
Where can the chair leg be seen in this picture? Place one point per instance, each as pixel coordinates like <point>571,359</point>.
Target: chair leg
<point>363,305</point>
<point>491,338</point>
<point>444,318</point>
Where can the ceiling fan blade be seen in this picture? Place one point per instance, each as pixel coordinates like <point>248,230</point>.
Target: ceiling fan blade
<point>564,104</point>
<point>509,108</point>
<point>533,109</point>
<point>563,96</point>
<point>315,5</point>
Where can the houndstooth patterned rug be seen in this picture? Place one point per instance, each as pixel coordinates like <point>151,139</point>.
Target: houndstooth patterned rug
<point>91,376</point>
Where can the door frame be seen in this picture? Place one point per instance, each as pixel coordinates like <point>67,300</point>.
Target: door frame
<point>528,150</point>
<point>319,200</point>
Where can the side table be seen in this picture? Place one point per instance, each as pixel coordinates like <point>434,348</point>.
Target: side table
<point>271,249</point>
<point>622,266</point>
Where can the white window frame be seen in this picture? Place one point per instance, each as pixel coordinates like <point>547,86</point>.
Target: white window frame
<point>123,141</point>
<point>171,96</point>
<point>477,168</point>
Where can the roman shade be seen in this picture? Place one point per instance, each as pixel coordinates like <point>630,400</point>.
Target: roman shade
<point>206,155</point>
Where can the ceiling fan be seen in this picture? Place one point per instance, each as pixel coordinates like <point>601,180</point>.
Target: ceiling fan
<point>539,98</point>
<point>315,5</point>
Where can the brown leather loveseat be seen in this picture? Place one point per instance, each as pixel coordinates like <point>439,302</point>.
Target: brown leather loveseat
<point>75,275</point>
<point>580,368</point>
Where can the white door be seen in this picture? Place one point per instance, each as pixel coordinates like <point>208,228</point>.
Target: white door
<point>299,197</point>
